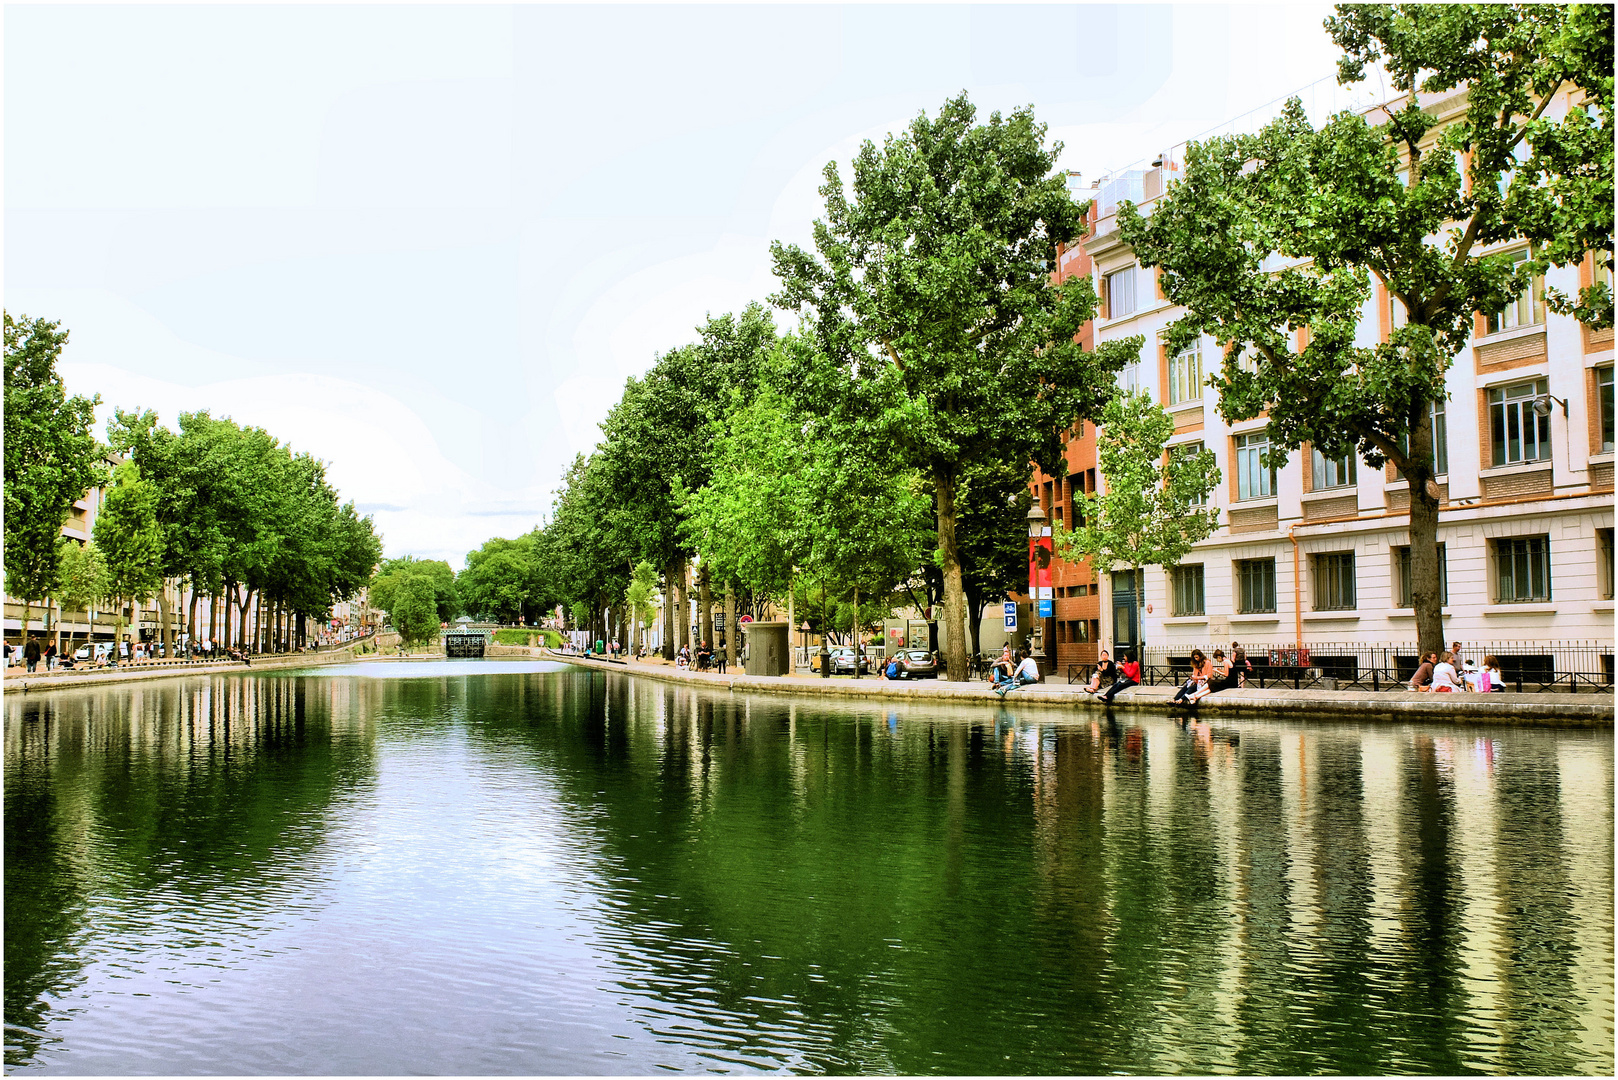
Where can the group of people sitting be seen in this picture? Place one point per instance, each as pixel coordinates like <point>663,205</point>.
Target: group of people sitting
<point>1207,676</point>
<point>706,658</point>
<point>1447,673</point>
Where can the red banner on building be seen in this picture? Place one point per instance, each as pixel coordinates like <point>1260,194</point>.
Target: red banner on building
<point>1039,566</point>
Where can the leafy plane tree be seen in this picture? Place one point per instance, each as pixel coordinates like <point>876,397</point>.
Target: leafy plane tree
<point>929,302</point>
<point>1272,241</point>
<point>131,541</point>
<point>51,459</point>
<point>1155,506</point>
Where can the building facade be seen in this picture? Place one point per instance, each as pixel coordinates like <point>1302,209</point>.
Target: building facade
<point>1317,552</point>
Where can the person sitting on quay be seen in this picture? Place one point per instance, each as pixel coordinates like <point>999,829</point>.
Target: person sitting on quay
<point>1027,672</point>
<point>1422,680</point>
<point>1446,680</point>
<point>1490,678</point>
<point>1128,675</point>
<point>1001,670</point>
<point>1106,671</point>
<point>1223,677</point>
<point>1201,672</point>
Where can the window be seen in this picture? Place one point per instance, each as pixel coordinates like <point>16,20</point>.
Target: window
<point>1604,405</point>
<point>1187,588</point>
<point>1334,581</point>
<point>1604,563</point>
<point>1254,479</point>
<point>1407,592</point>
<point>1185,375</point>
<point>1522,570</point>
<point>1527,309</point>
<point>1129,378</point>
<point>1255,585</point>
<point>1121,293</point>
<point>1190,449</point>
<point>1397,315</point>
<point>1440,438</point>
<point>1519,434</point>
<point>1335,473</point>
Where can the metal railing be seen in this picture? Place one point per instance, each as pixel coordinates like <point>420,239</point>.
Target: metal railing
<point>1528,666</point>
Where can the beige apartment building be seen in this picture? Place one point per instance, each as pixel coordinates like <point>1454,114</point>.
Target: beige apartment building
<point>1316,553</point>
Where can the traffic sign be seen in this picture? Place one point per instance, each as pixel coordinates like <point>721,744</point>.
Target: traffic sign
<point>1011,615</point>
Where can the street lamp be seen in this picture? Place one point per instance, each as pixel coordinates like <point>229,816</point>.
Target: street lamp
<point>1036,533</point>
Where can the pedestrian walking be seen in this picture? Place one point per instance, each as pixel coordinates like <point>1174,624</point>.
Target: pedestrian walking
<point>30,653</point>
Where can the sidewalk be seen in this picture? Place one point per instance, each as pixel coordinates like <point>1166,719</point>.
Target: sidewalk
<point>1566,710</point>
<point>19,681</point>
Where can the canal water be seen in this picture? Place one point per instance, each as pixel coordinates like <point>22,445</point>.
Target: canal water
<point>486,867</point>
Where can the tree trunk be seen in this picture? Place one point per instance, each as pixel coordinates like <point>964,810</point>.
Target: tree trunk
<point>730,624</point>
<point>954,588</point>
<point>681,633</point>
<point>706,603</point>
<point>974,622</point>
<point>668,613</point>
<point>859,645</point>
<point>166,632</point>
<point>191,615</point>
<point>241,626</point>
<point>27,618</point>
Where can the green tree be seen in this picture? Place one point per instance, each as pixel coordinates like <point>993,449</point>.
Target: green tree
<point>51,459</point>
<point>1286,229</point>
<point>1155,506</point>
<point>498,581</point>
<point>82,583</point>
<point>641,600</point>
<point>131,541</point>
<point>933,315</point>
<point>415,609</point>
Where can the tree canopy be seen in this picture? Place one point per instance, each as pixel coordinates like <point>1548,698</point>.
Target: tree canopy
<point>51,458</point>
<point>929,301</point>
<point>1286,230</point>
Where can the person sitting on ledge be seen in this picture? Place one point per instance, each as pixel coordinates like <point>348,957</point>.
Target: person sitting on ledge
<point>1105,672</point>
<point>1027,672</point>
<point>1422,680</point>
<point>1128,675</point>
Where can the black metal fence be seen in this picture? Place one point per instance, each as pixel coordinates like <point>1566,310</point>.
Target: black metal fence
<point>1528,666</point>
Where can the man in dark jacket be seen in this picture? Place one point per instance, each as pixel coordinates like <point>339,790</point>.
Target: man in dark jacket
<point>30,653</point>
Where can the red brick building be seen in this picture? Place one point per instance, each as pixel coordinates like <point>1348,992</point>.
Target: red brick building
<point>1070,636</point>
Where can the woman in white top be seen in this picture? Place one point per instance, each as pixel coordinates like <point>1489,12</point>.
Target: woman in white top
<point>1445,679</point>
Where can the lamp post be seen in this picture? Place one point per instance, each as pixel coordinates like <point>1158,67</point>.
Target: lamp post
<point>1036,533</point>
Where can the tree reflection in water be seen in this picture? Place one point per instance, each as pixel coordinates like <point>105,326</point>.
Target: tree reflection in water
<point>561,871</point>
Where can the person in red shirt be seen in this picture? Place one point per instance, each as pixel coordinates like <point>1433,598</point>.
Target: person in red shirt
<point>1128,675</point>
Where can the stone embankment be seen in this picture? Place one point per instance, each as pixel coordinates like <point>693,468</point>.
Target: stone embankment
<point>19,681</point>
<point>1562,710</point>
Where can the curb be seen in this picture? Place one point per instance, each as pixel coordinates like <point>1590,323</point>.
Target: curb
<point>1387,707</point>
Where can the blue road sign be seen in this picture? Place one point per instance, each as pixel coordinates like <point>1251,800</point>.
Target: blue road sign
<point>1011,615</point>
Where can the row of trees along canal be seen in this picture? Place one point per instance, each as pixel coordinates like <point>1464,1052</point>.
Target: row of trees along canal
<point>226,510</point>
<point>881,450</point>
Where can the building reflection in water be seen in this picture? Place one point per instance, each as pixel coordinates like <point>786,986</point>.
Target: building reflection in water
<point>779,883</point>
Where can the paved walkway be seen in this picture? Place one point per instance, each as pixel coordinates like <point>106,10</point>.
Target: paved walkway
<point>18,680</point>
<point>1575,710</point>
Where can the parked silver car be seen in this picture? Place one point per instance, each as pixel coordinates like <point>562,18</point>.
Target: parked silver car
<point>916,664</point>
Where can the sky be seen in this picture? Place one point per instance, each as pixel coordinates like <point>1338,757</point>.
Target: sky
<point>428,244</point>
